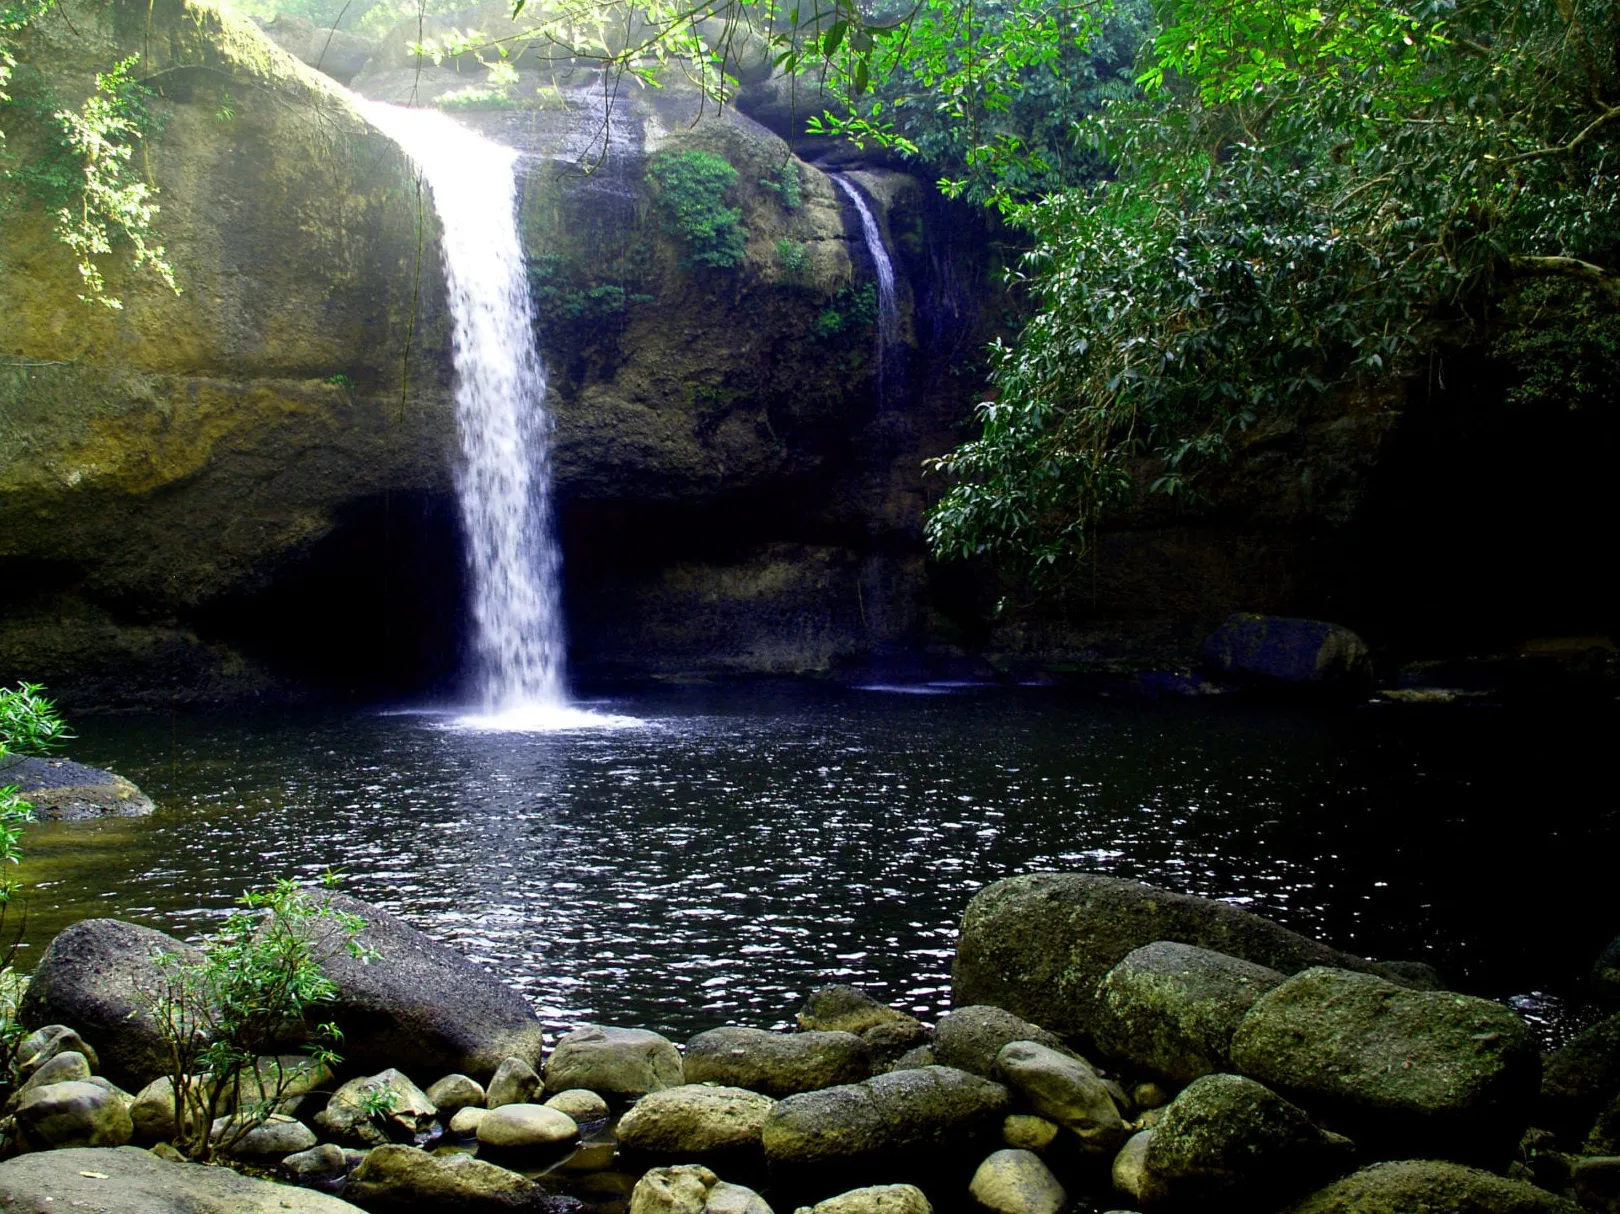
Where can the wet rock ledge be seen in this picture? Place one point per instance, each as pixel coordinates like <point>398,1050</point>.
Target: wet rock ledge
<point>1114,1048</point>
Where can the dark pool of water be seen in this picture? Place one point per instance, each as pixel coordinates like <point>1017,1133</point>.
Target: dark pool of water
<point>745,845</point>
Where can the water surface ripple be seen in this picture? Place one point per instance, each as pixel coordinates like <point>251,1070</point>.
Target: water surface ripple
<point>746,845</point>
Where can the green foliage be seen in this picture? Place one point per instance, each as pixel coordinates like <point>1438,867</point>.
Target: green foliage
<point>83,174</point>
<point>987,95</point>
<point>785,184</point>
<point>1559,346</point>
<point>340,380</point>
<point>29,723</point>
<point>1305,195</point>
<point>691,194</point>
<point>258,979</point>
<point>378,1102</point>
<point>852,311</point>
<point>561,301</point>
<point>790,255</point>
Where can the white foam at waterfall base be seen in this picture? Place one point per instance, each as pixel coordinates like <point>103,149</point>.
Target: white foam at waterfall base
<point>503,480</point>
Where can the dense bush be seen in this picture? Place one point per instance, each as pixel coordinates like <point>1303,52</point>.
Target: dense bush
<point>691,193</point>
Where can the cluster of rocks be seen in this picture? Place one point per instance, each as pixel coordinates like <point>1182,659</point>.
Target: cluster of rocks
<point>1114,1046</point>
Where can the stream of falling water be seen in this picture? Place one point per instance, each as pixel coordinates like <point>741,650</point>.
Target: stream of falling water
<point>888,323</point>
<point>503,482</point>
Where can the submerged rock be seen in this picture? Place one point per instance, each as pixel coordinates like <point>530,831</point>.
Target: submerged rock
<point>1173,1008</point>
<point>777,1064</point>
<point>616,1063</point>
<point>1430,1067</point>
<point>845,1009</point>
<point>132,1181</point>
<point>62,791</point>
<point>1433,1187</point>
<point>696,1120</point>
<point>101,976</point>
<point>1039,945</point>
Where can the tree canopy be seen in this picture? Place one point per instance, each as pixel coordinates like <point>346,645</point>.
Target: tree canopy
<point>1305,197</point>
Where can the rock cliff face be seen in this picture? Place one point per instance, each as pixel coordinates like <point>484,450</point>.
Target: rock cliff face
<point>253,479</point>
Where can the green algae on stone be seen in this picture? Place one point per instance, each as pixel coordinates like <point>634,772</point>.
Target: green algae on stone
<point>1433,1067</point>
<point>1173,1008</point>
<point>1039,945</point>
<point>1433,1187</point>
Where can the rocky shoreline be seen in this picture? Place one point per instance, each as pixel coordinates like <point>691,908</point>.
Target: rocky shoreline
<point>1113,1047</point>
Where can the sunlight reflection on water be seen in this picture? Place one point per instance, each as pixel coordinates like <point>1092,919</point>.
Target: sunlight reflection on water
<point>726,850</point>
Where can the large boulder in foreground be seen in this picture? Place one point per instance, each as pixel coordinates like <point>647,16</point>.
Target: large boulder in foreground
<point>1432,1187</point>
<point>1226,1137</point>
<point>1039,945</point>
<point>419,1005</point>
<point>1173,1008</point>
<point>904,1123</point>
<point>131,1181</point>
<point>1447,1071</point>
<point>1282,650</point>
<point>777,1064</point>
<point>101,976</point>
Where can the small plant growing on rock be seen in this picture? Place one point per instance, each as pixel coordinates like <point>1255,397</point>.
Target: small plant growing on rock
<point>784,183</point>
<point>790,255</point>
<point>249,992</point>
<point>692,188</point>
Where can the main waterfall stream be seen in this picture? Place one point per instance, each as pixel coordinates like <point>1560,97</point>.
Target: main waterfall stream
<point>504,479</point>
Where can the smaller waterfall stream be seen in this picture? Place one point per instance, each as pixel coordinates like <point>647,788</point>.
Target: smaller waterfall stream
<point>888,321</point>
<point>504,479</point>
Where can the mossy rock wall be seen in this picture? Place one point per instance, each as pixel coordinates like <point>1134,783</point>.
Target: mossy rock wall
<point>193,488</point>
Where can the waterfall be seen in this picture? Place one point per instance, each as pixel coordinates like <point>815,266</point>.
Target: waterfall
<point>504,479</point>
<point>888,324</point>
